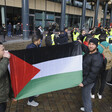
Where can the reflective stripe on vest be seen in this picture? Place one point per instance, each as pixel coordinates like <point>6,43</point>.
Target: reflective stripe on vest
<point>110,32</point>
<point>107,39</point>
<point>52,39</point>
<point>84,39</point>
<point>75,36</point>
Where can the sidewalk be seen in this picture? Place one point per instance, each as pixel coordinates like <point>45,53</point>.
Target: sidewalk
<point>68,100</point>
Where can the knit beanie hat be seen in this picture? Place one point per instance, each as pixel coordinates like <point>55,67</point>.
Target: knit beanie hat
<point>94,40</point>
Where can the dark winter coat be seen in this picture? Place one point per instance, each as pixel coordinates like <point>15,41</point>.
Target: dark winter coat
<point>62,39</point>
<point>9,28</point>
<point>4,30</point>
<point>32,45</point>
<point>39,34</point>
<point>92,65</point>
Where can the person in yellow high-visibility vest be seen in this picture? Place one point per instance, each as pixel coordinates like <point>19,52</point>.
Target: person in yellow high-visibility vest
<point>97,33</point>
<point>82,35</point>
<point>50,38</point>
<point>75,35</point>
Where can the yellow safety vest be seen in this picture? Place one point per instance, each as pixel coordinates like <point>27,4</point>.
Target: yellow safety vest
<point>110,32</point>
<point>75,36</point>
<point>52,39</point>
<point>107,33</point>
<point>97,36</point>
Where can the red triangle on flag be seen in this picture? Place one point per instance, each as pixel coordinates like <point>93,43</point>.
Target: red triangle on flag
<point>21,73</point>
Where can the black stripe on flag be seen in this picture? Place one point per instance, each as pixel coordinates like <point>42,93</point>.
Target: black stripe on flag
<point>42,54</point>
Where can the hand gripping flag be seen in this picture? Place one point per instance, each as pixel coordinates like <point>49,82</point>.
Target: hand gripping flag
<point>46,69</point>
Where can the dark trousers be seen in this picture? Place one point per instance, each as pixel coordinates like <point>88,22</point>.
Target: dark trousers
<point>100,81</point>
<point>3,37</point>
<point>3,107</point>
<point>86,97</point>
<point>31,98</point>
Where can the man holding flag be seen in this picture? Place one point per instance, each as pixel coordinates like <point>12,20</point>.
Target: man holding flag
<point>92,64</point>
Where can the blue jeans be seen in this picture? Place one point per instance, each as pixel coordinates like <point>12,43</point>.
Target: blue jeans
<point>9,33</point>
<point>3,107</point>
<point>86,97</point>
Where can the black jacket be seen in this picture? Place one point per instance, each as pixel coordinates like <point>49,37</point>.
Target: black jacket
<point>39,34</point>
<point>4,30</point>
<point>62,39</point>
<point>92,65</point>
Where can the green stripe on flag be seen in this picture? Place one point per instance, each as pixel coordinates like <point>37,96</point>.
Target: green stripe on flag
<point>51,83</point>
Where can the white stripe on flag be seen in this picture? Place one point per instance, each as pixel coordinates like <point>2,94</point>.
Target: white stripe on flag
<point>58,66</point>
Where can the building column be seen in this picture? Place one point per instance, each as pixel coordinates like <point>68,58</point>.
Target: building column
<point>66,20</point>
<point>105,14</point>
<point>111,15</point>
<point>3,15</point>
<point>25,19</point>
<point>96,14</point>
<point>43,19</point>
<point>63,11</point>
<point>83,14</point>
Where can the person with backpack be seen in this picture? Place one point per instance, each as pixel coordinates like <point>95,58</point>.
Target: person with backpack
<point>106,50</point>
<point>50,38</point>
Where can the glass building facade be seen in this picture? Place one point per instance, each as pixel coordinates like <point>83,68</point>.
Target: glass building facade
<point>47,18</point>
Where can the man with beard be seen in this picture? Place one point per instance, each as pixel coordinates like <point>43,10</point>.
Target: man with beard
<point>92,64</point>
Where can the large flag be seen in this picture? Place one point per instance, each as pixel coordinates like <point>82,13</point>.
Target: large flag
<point>46,69</point>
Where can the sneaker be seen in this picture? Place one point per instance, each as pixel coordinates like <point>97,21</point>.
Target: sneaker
<point>33,103</point>
<point>82,109</point>
<point>109,83</point>
<point>99,96</point>
<point>92,96</point>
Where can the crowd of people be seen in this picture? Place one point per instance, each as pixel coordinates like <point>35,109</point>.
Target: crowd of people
<point>11,30</point>
<point>97,61</point>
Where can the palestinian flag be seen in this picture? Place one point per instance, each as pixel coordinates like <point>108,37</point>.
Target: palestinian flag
<point>46,69</point>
